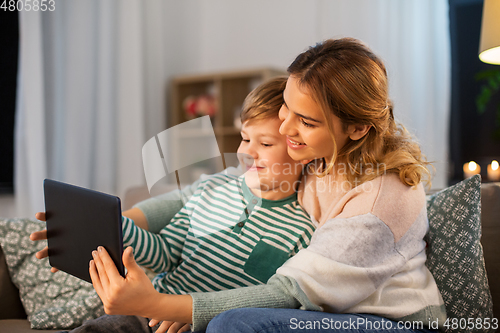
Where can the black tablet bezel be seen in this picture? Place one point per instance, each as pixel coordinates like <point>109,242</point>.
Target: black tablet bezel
<point>78,221</point>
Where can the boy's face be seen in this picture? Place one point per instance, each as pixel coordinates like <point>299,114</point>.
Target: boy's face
<point>270,172</point>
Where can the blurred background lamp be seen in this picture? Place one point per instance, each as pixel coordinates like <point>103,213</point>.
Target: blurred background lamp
<point>489,46</point>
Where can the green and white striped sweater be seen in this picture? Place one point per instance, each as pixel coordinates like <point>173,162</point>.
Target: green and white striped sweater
<point>214,243</point>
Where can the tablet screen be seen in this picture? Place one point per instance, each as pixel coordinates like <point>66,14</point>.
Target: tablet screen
<point>78,221</point>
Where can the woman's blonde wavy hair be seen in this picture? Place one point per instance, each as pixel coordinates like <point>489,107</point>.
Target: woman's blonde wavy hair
<point>349,81</point>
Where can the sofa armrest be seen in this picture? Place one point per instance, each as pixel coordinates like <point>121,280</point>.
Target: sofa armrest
<point>10,304</point>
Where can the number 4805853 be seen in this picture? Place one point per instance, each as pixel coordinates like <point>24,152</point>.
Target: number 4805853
<point>28,5</point>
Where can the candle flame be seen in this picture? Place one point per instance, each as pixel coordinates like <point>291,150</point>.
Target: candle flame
<point>472,166</point>
<point>494,165</point>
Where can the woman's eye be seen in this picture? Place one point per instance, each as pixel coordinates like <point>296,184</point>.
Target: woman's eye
<point>267,145</point>
<point>305,123</point>
<point>245,140</point>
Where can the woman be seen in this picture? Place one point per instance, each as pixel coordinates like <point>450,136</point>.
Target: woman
<point>365,267</point>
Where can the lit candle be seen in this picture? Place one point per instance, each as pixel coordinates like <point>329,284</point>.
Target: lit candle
<point>494,171</point>
<point>471,169</point>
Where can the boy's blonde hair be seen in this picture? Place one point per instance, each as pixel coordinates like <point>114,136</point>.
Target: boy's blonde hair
<point>265,101</point>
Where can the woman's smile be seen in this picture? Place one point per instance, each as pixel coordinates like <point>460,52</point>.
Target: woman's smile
<point>295,144</point>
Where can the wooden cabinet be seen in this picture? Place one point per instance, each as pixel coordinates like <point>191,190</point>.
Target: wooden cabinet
<point>228,89</point>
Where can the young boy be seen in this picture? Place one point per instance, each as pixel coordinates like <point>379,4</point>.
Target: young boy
<point>233,231</point>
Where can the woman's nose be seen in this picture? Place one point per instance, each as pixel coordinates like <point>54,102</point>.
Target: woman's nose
<point>285,127</point>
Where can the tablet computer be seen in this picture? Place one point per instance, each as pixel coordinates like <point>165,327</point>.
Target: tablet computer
<point>78,221</point>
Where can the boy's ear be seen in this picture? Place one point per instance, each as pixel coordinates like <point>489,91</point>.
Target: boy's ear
<point>357,131</point>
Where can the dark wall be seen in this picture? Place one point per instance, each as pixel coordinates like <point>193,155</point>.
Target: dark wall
<point>471,133</point>
<point>9,37</point>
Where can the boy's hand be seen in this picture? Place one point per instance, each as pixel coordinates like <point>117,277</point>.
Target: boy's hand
<point>41,235</point>
<point>169,326</point>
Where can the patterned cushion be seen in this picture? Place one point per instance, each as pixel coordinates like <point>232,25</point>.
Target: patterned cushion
<point>51,300</point>
<point>455,255</point>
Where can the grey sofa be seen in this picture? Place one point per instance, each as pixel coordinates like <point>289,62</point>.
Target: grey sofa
<point>13,318</point>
